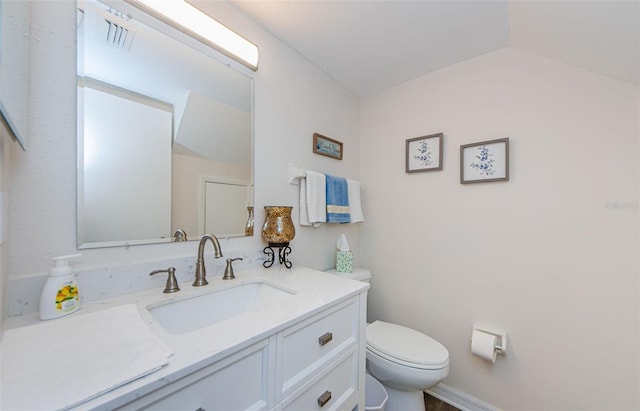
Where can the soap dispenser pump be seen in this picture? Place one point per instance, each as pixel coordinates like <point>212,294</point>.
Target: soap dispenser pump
<point>60,293</point>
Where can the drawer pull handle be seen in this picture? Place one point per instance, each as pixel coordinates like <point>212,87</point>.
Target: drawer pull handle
<point>324,398</point>
<point>325,338</point>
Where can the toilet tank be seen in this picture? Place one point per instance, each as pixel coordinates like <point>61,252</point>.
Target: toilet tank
<point>358,274</point>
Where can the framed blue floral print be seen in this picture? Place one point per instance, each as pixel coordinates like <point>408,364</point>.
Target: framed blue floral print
<point>424,153</point>
<point>485,161</point>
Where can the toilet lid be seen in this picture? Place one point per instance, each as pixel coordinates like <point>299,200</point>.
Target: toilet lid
<point>406,345</point>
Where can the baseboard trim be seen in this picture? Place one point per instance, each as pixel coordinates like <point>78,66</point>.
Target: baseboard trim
<point>458,399</point>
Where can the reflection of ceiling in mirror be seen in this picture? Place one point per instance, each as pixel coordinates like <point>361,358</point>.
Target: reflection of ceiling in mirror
<point>176,68</point>
<point>214,130</point>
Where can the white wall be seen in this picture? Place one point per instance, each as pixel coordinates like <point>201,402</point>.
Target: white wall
<point>551,256</point>
<point>293,100</point>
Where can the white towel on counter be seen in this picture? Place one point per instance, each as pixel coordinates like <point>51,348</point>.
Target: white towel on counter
<point>313,199</point>
<point>61,363</point>
<point>355,204</point>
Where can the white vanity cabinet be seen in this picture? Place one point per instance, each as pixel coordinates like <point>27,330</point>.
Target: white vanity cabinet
<point>298,348</point>
<point>316,363</point>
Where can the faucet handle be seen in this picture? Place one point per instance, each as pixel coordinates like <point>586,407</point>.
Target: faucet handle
<point>228,271</point>
<point>172,284</point>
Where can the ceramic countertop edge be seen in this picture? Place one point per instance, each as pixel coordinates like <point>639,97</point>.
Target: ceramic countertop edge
<point>315,290</point>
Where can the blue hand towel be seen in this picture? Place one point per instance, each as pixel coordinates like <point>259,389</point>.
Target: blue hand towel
<point>337,200</point>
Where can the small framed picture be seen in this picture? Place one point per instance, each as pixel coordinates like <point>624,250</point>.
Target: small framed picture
<point>485,161</point>
<point>327,146</point>
<point>424,153</point>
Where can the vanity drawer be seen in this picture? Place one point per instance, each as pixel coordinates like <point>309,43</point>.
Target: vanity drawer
<point>335,390</point>
<point>238,382</point>
<point>308,347</point>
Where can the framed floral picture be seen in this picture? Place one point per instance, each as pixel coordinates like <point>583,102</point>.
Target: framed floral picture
<point>485,161</point>
<point>424,153</point>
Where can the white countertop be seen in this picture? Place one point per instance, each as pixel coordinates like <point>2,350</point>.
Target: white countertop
<point>315,290</point>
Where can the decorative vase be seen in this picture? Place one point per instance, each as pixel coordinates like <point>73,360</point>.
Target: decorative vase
<point>278,226</point>
<point>278,230</point>
<point>248,229</point>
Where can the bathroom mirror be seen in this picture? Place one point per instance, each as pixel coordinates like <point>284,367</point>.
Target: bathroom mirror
<point>165,132</point>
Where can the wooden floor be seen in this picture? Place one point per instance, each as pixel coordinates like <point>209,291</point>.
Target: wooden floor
<point>434,404</point>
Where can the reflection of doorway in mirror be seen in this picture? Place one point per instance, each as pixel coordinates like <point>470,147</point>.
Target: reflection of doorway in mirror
<point>189,175</point>
<point>225,208</point>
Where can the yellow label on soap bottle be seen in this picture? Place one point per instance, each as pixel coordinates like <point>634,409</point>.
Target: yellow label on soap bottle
<point>67,297</point>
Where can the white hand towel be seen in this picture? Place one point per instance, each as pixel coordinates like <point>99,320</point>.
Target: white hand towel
<point>304,214</point>
<point>316,197</point>
<point>355,205</point>
<point>74,359</point>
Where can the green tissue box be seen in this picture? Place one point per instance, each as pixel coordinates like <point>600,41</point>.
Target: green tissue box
<point>344,262</point>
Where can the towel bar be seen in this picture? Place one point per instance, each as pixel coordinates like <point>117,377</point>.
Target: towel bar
<point>296,173</point>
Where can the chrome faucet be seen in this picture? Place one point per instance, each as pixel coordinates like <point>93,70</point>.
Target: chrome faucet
<point>201,272</point>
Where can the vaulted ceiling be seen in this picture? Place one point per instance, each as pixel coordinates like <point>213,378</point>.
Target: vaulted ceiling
<point>370,45</point>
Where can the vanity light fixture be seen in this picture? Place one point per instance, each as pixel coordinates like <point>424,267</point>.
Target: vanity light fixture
<point>194,22</point>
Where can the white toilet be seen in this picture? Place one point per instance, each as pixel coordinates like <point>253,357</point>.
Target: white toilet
<point>405,361</point>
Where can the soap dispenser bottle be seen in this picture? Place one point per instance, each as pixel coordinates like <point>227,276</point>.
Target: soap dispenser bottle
<point>60,293</point>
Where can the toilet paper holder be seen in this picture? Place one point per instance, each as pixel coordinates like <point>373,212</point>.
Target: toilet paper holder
<point>501,344</point>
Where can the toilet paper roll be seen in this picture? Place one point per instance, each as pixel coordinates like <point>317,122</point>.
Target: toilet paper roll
<point>483,345</point>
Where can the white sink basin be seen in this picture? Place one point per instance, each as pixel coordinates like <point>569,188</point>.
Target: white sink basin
<point>191,313</point>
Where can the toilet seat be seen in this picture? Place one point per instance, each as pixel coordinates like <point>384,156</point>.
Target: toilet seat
<point>405,346</point>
